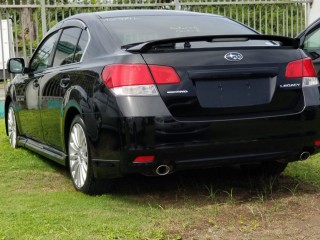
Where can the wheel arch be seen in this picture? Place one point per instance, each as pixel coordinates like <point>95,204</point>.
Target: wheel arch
<point>70,114</point>
<point>6,108</point>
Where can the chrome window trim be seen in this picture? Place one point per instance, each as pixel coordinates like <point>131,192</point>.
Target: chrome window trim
<point>84,51</point>
<point>86,47</point>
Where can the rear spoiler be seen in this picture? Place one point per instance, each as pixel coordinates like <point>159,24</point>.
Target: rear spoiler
<point>146,46</point>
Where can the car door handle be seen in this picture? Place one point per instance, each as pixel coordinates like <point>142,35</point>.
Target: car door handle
<point>64,82</point>
<point>35,83</point>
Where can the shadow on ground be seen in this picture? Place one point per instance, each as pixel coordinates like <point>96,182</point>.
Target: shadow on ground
<point>225,184</point>
<point>221,184</point>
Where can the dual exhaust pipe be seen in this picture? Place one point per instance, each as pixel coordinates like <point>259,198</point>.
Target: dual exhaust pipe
<point>163,170</point>
<point>304,156</point>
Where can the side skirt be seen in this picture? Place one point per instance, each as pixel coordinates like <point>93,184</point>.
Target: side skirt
<point>44,150</point>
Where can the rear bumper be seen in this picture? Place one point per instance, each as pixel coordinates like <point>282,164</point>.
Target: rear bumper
<point>118,168</point>
<point>185,145</point>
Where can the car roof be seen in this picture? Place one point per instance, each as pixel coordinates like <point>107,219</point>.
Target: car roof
<point>122,13</point>
<point>130,13</point>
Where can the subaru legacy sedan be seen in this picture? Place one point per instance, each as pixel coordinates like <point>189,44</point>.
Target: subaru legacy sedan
<point>113,93</point>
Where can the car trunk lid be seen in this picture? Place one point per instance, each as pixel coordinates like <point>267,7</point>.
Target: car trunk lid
<point>227,82</point>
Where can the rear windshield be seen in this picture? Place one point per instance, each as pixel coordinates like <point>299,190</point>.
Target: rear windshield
<point>127,30</point>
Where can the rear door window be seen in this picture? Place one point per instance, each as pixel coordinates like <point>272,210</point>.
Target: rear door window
<point>67,46</point>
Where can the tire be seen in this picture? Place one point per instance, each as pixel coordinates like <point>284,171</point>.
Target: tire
<point>80,164</point>
<point>265,169</point>
<point>12,126</point>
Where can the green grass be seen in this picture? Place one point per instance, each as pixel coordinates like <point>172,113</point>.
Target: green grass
<point>307,171</point>
<point>38,201</point>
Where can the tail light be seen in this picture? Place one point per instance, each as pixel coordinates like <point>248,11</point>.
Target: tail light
<point>137,79</point>
<point>304,69</point>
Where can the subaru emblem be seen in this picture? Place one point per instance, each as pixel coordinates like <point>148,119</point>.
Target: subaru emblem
<point>233,56</point>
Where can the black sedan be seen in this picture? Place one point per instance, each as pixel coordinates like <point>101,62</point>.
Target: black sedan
<point>152,92</point>
<point>310,43</point>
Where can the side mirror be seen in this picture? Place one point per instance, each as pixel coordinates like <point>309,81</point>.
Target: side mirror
<point>16,65</point>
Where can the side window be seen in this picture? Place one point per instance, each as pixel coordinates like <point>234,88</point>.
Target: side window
<point>81,46</point>
<point>42,58</point>
<point>66,47</point>
<point>312,41</point>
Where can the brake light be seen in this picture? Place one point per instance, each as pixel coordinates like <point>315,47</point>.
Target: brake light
<point>136,79</point>
<point>300,68</point>
<point>144,159</point>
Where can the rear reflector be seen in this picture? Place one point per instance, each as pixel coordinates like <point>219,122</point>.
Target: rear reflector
<point>300,68</point>
<point>144,159</point>
<point>136,79</point>
<point>317,143</point>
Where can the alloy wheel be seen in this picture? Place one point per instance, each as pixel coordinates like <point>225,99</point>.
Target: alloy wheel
<point>12,127</point>
<point>78,155</point>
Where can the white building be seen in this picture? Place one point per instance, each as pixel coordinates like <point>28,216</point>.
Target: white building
<point>314,11</point>
<point>6,43</point>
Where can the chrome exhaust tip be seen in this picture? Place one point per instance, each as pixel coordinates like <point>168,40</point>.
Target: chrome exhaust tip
<point>304,156</point>
<point>163,170</point>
